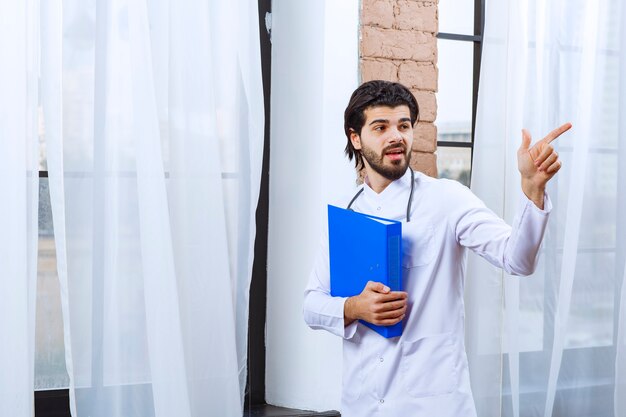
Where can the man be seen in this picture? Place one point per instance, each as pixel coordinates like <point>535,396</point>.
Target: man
<point>424,372</point>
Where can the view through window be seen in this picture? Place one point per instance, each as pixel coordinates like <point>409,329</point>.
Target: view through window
<point>50,370</point>
<point>458,60</point>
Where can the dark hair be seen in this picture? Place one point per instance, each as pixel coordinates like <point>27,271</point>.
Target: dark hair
<point>373,94</point>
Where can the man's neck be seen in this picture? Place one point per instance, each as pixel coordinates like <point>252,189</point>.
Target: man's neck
<point>375,181</point>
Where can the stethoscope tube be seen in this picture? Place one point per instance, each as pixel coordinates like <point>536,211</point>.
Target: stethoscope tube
<point>408,205</point>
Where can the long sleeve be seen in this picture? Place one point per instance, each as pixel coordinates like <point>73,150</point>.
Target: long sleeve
<point>513,248</point>
<point>320,309</point>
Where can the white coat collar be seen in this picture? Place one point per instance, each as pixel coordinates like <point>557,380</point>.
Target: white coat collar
<point>398,186</point>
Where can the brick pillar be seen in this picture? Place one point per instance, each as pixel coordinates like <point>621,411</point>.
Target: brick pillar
<point>398,43</point>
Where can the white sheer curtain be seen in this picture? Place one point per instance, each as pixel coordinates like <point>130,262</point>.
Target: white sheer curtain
<point>19,185</point>
<point>553,344</point>
<point>154,133</point>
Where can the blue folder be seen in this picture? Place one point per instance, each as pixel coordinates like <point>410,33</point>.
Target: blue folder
<point>364,248</point>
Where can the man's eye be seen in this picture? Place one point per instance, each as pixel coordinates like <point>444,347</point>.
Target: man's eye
<point>379,128</point>
<point>404,126</point>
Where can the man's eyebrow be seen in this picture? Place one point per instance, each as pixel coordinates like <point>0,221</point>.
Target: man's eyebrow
<point>404,119</point>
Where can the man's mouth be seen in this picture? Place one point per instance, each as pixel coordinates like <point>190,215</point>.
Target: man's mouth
<point>395,154</point>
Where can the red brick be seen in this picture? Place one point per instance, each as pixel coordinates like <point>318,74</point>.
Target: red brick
<point>377,13</point>
<point>427,103</point>
<point>397,44</point>
<point>378,69</point>
<point>425,137</point>
<point>412,15</point>
<point>422,76</point>
<point>425,162</point>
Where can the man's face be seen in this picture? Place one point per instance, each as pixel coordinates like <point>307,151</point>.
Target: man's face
<point>385,140</point>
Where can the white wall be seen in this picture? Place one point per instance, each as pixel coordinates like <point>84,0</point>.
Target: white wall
<point>314,71</point>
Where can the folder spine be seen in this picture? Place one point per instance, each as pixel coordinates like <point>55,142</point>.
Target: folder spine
<point>394,272</point>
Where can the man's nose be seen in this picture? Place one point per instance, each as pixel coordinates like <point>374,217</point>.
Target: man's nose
<point>395,135</point>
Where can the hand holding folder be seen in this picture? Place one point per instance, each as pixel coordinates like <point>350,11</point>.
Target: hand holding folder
<point>364,248</point>
<point>376,304</point>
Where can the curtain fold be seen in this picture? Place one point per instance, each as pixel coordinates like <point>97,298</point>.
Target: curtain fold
<point>552,343</point>
<point>619,396</point>
<point>154,141</point>
<point>19,182</point>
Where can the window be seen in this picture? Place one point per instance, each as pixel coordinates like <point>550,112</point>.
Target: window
<point>51,378</point>
<point>459,48</point>
<point>586,371</point>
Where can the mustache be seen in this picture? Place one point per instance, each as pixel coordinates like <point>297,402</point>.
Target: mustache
<point>391,148</point>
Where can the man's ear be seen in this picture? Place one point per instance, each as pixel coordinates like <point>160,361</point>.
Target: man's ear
<point>355,139</point>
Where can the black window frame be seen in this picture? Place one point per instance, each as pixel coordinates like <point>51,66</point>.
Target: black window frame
<point>255,403</point>
<point>56,402</point>
<point>255,387</point>
<point>51,402</point>
<point>477,40</point>
<point>255,390</point>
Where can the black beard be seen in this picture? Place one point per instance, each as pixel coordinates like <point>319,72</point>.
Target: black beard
<point>375,161</point>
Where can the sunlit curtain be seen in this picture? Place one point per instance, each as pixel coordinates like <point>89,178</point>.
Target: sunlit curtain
<point>154,131</point>
<point>553,344</point>
<point>19,185</point>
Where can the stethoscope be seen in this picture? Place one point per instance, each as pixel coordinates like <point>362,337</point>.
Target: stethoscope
<point>408,204</point>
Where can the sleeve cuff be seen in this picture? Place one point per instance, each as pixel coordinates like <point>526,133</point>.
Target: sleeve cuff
<point>350,330</point>
<point>547,204</point>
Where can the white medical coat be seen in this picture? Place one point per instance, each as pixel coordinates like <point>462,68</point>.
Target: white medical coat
<point>424,372</point>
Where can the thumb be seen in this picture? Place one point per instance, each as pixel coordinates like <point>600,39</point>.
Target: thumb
<point>378,287</point>
<point>526,139</point>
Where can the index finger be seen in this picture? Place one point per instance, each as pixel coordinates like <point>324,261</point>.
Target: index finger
<point>397,295</point>
<point>557,132</point>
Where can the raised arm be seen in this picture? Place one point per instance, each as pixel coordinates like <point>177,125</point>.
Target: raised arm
<point>539,163</point>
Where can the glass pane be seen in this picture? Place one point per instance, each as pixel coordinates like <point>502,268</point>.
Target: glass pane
<point>590,322</point>
<point>454,98</point>
<point>50,372</point>
<point>531,309</point>
<point>454,163</point>
<point>599,210</point>
<point>43,158</point>
<point>456,16</point>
